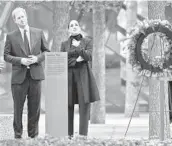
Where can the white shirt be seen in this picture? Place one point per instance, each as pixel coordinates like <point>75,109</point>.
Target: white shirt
<point>27,34</point>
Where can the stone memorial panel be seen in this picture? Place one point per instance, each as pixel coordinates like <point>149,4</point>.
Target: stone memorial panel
<point>56,96</point>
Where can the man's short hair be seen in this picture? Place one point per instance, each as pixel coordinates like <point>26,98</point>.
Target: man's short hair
<point>17,10</point>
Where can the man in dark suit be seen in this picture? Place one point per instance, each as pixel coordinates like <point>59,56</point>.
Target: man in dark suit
<point>24,49</point>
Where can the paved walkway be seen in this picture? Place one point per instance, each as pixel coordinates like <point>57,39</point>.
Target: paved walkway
<point>115,127</point>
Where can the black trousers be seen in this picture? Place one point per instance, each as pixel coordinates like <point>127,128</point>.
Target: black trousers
<point>74,84</point>
<point>32,90</point>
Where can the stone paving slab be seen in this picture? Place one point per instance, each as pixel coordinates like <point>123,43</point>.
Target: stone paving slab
<point>115,127</point>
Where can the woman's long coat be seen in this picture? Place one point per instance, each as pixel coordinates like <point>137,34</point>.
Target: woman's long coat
<point>88,84</point>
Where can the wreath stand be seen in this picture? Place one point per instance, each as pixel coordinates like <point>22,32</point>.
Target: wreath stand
<point>139,62</point>
<point>162,103</point>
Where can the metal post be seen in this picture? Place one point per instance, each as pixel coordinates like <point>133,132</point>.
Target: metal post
<point>162,110</point>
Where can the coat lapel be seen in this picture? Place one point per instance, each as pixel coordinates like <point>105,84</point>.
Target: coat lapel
<point>82,43</point>
<point>20,41</point>
<point>68,45</point>
<point>33,39</point>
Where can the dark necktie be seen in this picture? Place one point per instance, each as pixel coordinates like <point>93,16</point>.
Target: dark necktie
<point>26,44</point>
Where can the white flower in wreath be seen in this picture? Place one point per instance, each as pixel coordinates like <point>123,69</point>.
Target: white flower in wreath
<point>140,25</point>
<point>146,25</point>
<point>136,31</point>
<point>145,21</point>
<point>156,23</point>
<point>164,22</point>
<point>149,22</point>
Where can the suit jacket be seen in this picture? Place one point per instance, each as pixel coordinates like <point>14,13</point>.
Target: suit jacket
<point>14,50</point>
<point>88,83</point>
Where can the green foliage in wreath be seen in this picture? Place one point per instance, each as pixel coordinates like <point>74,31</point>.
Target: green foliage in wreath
<point>158,66</point>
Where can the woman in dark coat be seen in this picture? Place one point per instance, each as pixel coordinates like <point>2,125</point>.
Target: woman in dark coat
<point>82,88</point>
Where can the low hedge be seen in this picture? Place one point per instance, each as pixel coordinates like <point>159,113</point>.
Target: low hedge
<point>82,141</point>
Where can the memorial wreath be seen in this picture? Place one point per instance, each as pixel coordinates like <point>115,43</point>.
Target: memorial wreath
<point>158,66</point>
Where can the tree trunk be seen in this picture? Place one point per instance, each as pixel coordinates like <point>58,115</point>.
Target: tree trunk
<point>98,108</point>
<point>131,76</point>
<point>60,32</point>
<point>60,20</point>
<point>121,35</point>
<point>156,10</point>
